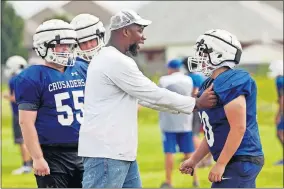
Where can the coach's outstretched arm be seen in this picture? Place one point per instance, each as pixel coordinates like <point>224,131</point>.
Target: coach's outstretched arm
<point>156,107</point>
<point>129,78</point>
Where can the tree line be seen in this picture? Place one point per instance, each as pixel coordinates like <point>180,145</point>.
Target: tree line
<point>12,31</point>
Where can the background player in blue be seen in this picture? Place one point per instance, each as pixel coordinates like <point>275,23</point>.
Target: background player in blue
<point>90,36</point>
<point>14,65</point>
<point>50,99</point>
<point>231,128</point>
<point>276,68</point>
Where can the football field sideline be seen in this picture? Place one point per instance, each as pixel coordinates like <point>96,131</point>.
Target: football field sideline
<point>150,155</point>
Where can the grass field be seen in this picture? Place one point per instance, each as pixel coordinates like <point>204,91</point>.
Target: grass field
<point>150,156</point>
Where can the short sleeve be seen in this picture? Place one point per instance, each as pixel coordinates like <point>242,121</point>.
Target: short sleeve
<point>27,92</point>
<point>244,86</point>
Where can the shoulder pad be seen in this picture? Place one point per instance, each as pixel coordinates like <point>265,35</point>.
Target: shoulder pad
<point>81,62</point>
<point>34,73</point>
<point>81,66</point>
<point>232,84</point>
<point>230,79</point>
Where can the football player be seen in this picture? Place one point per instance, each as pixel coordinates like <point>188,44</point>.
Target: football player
<point>276,68</point>
<point>14,66</point>
<point>50,99</point>
<point>90,36</point>
<point>231,128</point>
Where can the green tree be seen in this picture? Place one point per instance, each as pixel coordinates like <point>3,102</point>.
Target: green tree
<point>59,16</point>
<point>12,33</point>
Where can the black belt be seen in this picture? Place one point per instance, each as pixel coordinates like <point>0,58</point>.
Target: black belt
<point>258,160</point>
<point>60,147</point>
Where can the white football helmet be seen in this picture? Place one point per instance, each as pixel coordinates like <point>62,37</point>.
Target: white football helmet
<point>51,33</point>
<point>214,49</point>
<point>14,65</point>
<point>276,68</point>
<point>88,27</point>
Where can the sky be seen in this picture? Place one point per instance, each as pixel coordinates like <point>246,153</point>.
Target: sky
<point>27,8</point>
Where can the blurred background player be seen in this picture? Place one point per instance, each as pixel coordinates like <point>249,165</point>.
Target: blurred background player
<point>50,99</point>
<point>198,79</point>
<point>176,129</point>
<point>231,128</point>
<point>90,36</point>
<point>276,70</point>
<point>14,66</point>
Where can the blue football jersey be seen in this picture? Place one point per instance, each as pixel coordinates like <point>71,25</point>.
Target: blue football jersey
<point>228,86</point>
<point>83,64</point>
<point>11,91</point>
<point>58,98</point>
<point>280,85</point>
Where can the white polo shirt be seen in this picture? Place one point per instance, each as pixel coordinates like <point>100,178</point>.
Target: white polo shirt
<point>113,87</point>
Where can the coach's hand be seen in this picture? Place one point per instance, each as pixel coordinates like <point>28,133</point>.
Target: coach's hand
<point>208,99</point>
<point>187,167</point>
<point>216,173</point>
<point>41,167</point>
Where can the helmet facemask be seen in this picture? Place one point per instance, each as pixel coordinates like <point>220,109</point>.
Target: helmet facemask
<point>88,54</point>
<point>48,51</point>
<point>201,62</point>
<point>64,58</point>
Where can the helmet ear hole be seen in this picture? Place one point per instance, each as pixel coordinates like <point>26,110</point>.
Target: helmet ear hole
<point>219,56</point>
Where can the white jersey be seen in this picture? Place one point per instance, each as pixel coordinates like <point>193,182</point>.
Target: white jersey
<point>181,84</point>
<point>113,87</point>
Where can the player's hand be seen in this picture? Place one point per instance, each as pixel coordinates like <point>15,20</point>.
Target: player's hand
<point>41,167</point>
<point>208,99</point>
<point>216,173</point>
<point>187,167</point>
<point>6,95</point>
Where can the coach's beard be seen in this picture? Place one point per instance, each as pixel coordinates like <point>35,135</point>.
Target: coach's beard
<point>133,49</point>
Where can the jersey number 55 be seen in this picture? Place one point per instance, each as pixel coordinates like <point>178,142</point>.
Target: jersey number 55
<point>67,121</point>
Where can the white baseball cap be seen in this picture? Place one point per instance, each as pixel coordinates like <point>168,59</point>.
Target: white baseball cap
<point>126,18</point>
